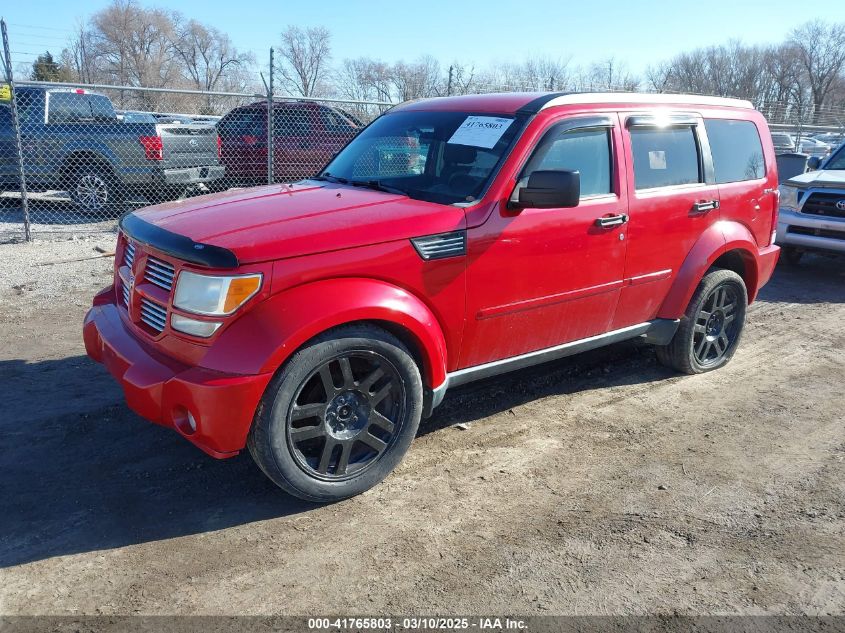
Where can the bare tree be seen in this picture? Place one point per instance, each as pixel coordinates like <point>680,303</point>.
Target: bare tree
<point>304,57</point>
<point>821,51</point>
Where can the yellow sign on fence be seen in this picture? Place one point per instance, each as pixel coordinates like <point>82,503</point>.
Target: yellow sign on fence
<point>5,92</point>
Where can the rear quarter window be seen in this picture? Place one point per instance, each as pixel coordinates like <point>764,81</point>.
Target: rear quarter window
<point>737,150</point>
<point>665,157</point>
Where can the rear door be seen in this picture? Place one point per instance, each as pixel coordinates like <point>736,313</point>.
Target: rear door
<point>746,190</point>
<point>673,200</point>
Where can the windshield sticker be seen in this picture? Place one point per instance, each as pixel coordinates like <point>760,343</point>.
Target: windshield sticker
<point>480,131</point>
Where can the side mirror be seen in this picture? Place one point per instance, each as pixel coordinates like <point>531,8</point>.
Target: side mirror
<point>551,189</point>
<point>813,163</point>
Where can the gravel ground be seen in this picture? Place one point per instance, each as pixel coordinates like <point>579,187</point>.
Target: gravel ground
<point>600,484</point>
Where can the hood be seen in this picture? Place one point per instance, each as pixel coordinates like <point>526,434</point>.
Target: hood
<point>821,178</point>
<point>277,221</point>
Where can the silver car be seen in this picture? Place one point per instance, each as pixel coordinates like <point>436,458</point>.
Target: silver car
<point>812,209</point>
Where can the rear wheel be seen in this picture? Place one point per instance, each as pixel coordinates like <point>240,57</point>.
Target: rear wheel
<point>339,416</point>
<point>95,190</point>
<point>711,328</point>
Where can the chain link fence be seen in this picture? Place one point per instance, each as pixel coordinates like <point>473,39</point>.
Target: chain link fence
<point>74,157</point>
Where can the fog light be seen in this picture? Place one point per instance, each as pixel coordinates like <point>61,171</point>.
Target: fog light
<point>192,423</point>
<point>193,327</point>
<point>774,236</point>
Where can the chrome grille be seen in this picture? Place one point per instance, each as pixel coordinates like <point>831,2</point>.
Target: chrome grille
<point>125,289</point>
<point>153,314</point>
<point>159,272</point>
<point>129,254</point>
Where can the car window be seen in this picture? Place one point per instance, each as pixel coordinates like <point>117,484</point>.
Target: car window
<point>838,160</point>
<point>737,150</point>
<point>293,121</point>
<point>69,107</point>
<point>243,123</point>
<point>665,157</point>
<point>334,121</point>
<point>101,107</point>
<point>584,151</point>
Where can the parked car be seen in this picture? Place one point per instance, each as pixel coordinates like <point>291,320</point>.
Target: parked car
<point>316,323</point>
<point>783,143</point>
<point>813,147</point>
<point>73,140</point>
<point>305,137</point>
<point>812,209</point>
<point>834,139</point>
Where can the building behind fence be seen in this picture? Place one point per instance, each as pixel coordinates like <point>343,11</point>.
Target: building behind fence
<point>74,157</point>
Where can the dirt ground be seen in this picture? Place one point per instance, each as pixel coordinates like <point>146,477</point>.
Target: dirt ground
<point>601,484</point>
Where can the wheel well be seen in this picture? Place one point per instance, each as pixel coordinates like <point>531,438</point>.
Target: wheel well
<point>742,263</point>
<point>403,334</point>
<point>77,159</point>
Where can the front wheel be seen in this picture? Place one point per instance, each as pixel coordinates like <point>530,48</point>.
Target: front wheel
<point>339,416</point>
<point>711,328</point>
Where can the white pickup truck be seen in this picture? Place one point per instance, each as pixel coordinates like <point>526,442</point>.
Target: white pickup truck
<point>812,209</point>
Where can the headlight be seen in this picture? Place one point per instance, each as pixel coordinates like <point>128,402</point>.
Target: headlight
<point>213,295</point>
<point>788,197</point>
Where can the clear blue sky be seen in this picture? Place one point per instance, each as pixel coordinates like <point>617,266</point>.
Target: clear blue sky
<point>636,32</point>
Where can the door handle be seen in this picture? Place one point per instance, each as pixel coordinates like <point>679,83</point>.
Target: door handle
<point>608,221</point>
<point>704,206</point>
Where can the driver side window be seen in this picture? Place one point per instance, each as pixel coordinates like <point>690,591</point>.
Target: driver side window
<point>586,151</point>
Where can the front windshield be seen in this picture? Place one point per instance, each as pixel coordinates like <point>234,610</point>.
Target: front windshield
<point>838,160</point>
<point>444,157</point>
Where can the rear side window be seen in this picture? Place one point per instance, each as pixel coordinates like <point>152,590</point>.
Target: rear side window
<point>294,121</point>
<point>584,151</point>
<point>243,122</point>
<point>665,157</point>
<point>101,107</point>
<point>737,150</point>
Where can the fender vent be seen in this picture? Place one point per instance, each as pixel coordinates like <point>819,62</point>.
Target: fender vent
<point>442,245</point>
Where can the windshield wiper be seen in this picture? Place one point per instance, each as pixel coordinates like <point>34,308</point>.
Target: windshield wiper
<point>378,186</point>
<point>327,177</point>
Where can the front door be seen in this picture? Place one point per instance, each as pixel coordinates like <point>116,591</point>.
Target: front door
<point>537,278</point>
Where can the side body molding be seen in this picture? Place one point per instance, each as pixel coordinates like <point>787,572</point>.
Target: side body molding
<point>716,240</point>
<point>264,338</point>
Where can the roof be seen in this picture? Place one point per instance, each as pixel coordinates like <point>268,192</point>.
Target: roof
<point>533,102</point>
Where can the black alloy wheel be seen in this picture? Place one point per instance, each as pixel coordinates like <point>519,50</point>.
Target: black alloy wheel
<point>344,417</point>
<point>711,328</point>
<point>339,415</point>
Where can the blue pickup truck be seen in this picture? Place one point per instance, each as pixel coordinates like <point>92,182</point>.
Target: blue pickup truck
<point>73,141</point>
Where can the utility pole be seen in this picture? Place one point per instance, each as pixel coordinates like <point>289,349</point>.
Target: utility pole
<point>270,118</point>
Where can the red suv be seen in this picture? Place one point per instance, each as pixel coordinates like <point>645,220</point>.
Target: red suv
<point>305,137</point>
<point>452,240</point>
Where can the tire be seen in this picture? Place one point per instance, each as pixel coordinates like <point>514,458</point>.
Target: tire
<point>712,326</point>
<point>339,416</point>
<point>792,255</point>
<point>95,190</point>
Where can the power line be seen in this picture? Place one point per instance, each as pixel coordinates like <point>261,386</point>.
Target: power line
<point>44,28</point>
